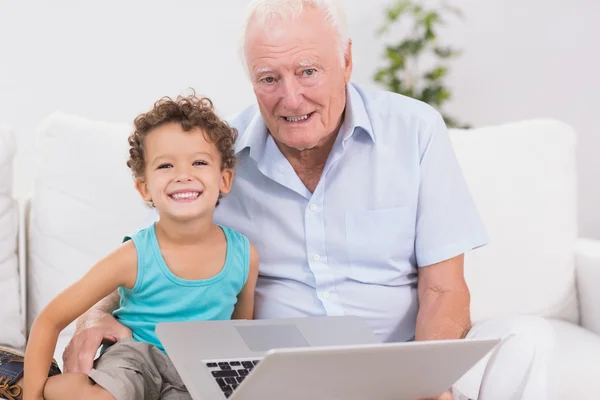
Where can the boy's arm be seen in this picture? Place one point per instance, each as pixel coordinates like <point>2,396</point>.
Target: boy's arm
<point>244,308</point>
<point>117,269</point>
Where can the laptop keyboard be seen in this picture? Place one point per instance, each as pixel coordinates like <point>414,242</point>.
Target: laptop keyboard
<point>229,374</point>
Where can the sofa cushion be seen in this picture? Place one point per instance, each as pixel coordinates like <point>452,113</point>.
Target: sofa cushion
<point>12,333</point>
<point>523,178</point>
<point>83,203</point>
<point>575,370</point>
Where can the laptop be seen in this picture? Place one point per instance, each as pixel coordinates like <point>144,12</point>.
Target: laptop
<point>326,358</point>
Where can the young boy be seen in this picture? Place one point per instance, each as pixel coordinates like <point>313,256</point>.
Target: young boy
<point>184,267</point>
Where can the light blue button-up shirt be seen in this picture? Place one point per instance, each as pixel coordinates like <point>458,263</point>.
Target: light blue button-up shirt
<point>391,199</point>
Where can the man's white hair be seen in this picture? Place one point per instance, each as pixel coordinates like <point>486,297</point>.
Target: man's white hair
<point>262,12</point>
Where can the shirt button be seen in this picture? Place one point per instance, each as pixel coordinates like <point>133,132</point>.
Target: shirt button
<point>325,295</point>
<point>316,257</point>
<point>313,207</point>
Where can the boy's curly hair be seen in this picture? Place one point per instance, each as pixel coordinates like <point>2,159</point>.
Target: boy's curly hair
<point>190,112</point>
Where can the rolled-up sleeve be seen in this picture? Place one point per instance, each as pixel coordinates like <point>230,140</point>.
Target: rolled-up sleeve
<point>448,222</point>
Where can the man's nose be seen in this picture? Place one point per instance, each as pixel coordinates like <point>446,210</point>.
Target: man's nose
<point>292,93</point>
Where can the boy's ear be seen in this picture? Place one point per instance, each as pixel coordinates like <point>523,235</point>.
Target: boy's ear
<point>226,180</point>
<point>142,188</point>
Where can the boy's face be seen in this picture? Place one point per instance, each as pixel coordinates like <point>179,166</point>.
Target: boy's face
<point>183,175</point>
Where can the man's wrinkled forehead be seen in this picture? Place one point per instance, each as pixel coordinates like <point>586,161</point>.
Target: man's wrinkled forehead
<point>273,28</point>
<point>302,63</point>
<point>280,30</point>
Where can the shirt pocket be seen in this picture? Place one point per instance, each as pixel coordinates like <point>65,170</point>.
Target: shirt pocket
<point>380,244</point>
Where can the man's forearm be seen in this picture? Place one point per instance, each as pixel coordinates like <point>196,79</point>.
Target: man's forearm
<point>444,316</point>
<point>105,306</point>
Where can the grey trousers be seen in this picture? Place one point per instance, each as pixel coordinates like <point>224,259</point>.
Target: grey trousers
<point>131,370</point>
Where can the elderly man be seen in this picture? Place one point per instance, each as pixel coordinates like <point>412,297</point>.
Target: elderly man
<point>356,204</point>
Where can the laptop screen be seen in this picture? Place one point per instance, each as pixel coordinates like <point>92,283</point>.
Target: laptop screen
<point>267,337</point>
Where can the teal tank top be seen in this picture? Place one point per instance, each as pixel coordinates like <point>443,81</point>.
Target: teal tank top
<point>160,296</point>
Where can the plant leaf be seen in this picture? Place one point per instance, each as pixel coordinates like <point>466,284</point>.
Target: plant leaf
<point>436,74</point>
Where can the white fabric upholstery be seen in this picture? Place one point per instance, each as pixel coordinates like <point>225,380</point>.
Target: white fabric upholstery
<point>11,332</point>
<point>588,279</point>
<point>523,178</point>
<point>575,371</point>
<point>84,202</point>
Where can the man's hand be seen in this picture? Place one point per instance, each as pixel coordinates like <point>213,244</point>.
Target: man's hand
<point>445,396</point>
<point>95,327</point>
<point>80,352</point>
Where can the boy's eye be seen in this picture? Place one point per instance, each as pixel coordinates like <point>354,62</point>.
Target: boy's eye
<point>196,163</point>
<point>163,166</point>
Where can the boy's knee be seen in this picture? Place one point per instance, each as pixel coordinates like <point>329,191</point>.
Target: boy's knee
<point>74,386</point>
<point>97,392</point>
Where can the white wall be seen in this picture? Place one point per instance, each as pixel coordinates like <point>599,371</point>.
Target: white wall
<point>112,59</point>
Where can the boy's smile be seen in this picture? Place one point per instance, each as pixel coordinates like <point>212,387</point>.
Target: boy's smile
<point>185,195</point>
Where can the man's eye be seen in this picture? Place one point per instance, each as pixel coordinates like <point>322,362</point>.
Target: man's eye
<point>309,71</point>
<point>269,79</point>
<point>197,163</point>
<point>163,166</point>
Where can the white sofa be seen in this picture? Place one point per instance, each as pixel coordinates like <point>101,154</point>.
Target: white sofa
<point>12,317</point>
<point>522,175</point>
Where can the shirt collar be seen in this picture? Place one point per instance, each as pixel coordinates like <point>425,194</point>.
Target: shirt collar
<point>356,114</point>
<point>255,135</point>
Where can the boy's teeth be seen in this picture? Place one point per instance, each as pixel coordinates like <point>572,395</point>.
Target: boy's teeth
<point>187,195</point>
<point>296,119</point>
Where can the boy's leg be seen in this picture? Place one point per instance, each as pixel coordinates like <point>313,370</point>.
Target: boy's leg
<point>74,386</point>
<point>173,393</point>
<point>172,385</point>
<point>11,374</point>
<point>127,371</point>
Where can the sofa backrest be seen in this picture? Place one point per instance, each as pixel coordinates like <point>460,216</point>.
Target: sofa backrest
<point>12,333</point>
<point>523,178</point>
<point>83,203</point>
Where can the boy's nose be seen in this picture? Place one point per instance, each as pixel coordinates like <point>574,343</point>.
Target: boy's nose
<point>184,178</point>
<point>184,175</point>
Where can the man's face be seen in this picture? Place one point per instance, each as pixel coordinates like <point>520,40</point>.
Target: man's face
<point>298,78</point>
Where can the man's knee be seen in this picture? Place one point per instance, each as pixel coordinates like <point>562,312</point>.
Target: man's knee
<point>529,337</point>
<point>522,337</point>
<point>534,330</point>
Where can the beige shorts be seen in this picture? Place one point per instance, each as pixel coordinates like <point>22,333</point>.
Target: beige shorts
<point>136,370</point>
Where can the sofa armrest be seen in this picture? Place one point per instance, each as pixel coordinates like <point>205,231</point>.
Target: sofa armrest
<point>587,262</point>
<point>24,202</point>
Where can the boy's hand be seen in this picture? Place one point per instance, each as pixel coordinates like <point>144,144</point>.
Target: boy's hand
<point>81,351</point>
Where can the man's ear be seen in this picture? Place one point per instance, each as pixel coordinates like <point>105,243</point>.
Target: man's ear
<point>348,62</point>
<point>226,180</point>
<point>142,188</point>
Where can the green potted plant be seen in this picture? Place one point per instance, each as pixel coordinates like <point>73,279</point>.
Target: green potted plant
<point>403,71</point>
